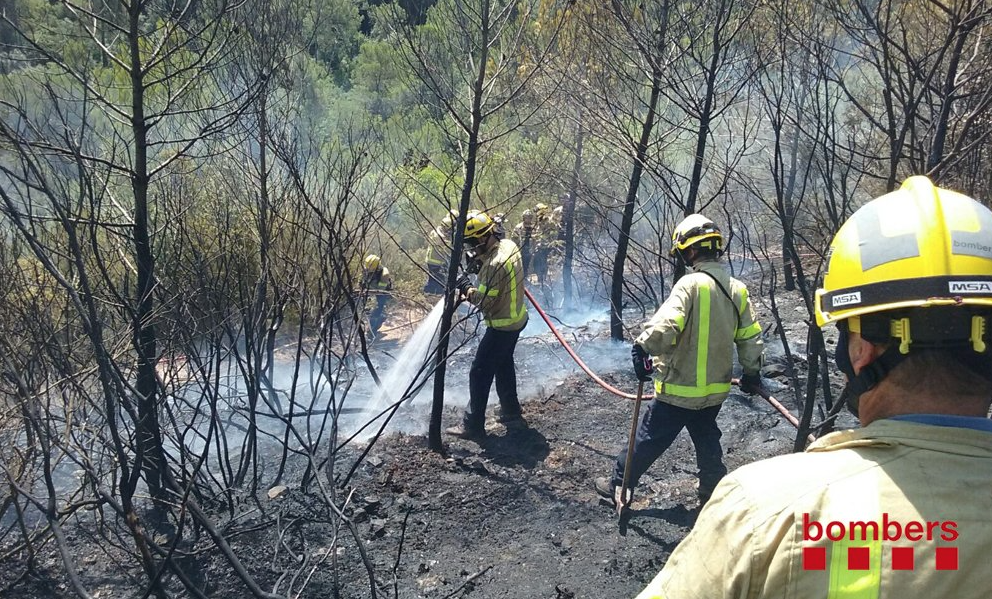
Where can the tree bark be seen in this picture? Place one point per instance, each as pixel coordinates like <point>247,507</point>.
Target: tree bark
<point>471,155</point>
<point>568,214</point>
<point>623,240</point>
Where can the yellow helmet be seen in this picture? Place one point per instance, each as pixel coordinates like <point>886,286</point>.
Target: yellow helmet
<point>696,229</point>
<point>478,225</point>
<point>540,208</point>
<point>372,262</point>
<point>920,246</point>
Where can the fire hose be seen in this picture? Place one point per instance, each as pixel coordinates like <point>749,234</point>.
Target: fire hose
<point>568,348</point>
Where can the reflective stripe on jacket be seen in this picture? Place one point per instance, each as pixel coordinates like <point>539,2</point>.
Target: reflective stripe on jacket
<point>750,540</point>
<point>691,338</point>
<point>500,294</point>
<point>378,280</point>
<point>437,251</point>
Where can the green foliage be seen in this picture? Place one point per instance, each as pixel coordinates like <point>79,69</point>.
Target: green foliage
<point>332,31</point>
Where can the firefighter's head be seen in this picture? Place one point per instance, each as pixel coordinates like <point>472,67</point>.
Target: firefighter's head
<point>479,230</point>
<point>371,263</point>
<point>697,238</point>
<point>909,286</point>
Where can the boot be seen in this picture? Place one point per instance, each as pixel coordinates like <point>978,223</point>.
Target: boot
<point>510,417</point>
<point>704,492</point>
<point>607,490</point>
<point>463,432</point>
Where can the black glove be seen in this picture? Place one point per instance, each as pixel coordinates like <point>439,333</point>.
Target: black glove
<point>463,284</point>
<point>750,383</point>
<point>642,363</point>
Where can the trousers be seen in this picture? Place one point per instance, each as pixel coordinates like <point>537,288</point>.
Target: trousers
<point>437,274</point>
<point>658,429</point>
<point>493,359</point>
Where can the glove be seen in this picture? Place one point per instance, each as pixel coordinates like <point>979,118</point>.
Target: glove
<point>643,366</point>
<point>750,383</point>
<point>463,284</point>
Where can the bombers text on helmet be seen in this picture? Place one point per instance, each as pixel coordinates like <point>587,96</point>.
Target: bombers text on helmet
<point>371,262</point>
<point>478,225</point>
<point>698,230</point>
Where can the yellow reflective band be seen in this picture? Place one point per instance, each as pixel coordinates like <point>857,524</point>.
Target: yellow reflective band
<point>748,332</point>
<point>487,291</point>
<point>687,391</point>
<point>702,349</point>
<point>516,314</point>
<point>743,301</point>
<point>846,583</point>
<point>431,253</point>
<point>679,324</point>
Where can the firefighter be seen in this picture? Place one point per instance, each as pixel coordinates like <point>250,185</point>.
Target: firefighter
<point>438,252</point>
<point>499,225</point>
<point>437,260</point>
<point>523,234</point>
<point>376,281</point>
<point>545,234</point>
<point>878,511</point>
<point>499,295</point>
<point>691,341</point>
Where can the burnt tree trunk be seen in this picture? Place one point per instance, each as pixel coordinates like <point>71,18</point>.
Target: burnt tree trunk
<point>623,239</point>
<point>568,215</point>
<point>471,155</point>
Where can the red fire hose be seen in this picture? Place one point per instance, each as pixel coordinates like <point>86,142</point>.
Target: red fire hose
<point>764,394</point>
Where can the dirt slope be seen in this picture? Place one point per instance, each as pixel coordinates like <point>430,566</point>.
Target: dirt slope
<point>516,515</point>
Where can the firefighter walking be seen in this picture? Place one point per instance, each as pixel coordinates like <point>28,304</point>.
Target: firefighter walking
<point>690,340</point>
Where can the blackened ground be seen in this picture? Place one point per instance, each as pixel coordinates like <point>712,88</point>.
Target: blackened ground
<point>514,515</point>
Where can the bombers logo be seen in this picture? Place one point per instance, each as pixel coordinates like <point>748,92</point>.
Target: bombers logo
<point>846,299</point>
<point>857,538</point>
<point>970,286</point>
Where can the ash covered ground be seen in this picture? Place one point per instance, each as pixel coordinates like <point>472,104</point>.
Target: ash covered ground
<point>514,515</point>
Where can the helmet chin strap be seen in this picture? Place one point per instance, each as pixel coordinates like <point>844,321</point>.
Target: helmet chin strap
<point>870,376</point>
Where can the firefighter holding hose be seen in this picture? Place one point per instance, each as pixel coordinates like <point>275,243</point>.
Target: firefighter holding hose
<point>690,341</point>
<point>900,507</point>
<point>499,295</point>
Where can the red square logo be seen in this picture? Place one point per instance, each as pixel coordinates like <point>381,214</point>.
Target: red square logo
<point>902,558</point>
<point>814,558</point>
<point>947,558</point>
<point>857,558</point>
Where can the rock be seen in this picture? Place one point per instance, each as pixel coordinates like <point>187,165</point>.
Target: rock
<point>476,465</point>
<point>372,504</point>
<point>359,515</point>
<point>772,370</point>
<point>276,491</point>
<point>378,526</point>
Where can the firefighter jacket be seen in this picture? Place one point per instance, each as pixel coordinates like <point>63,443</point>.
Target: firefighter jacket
<point>437,250</point>
<point>894,510</point>
<point>500,294</point>
<point>378,281</point>
<point>691,338</point>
